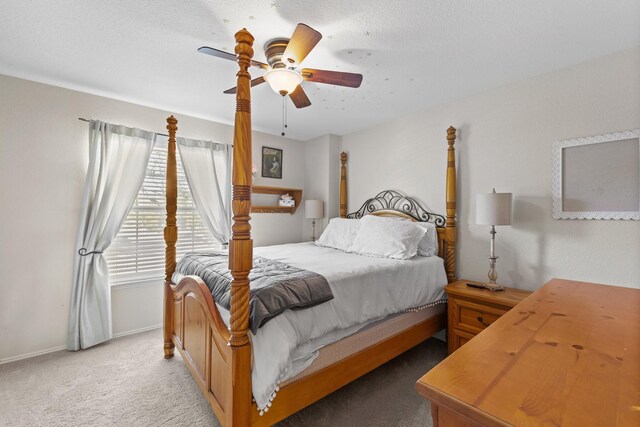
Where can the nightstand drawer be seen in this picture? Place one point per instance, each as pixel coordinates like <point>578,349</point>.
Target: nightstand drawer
<point>473,317</point>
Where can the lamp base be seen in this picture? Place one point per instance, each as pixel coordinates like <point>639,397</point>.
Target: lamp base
<point>313,232</point>
<point>493,287</point>
<point>493,274</point>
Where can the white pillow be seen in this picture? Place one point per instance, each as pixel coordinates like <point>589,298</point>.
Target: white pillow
<point>382,237</point>
<point>339,234</point>
<point>428,246</point>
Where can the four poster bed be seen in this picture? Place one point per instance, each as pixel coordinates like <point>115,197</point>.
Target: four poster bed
<point>216,344</point>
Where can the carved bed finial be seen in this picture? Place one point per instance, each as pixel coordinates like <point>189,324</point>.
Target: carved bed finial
<point>244,48</point>
<point>172,123</point>
<point>451,135</point>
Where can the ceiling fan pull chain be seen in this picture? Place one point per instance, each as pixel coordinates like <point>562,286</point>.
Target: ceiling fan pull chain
<point>284,114</point>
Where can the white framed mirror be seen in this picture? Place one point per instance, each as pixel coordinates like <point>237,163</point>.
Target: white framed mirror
<point>597,177</point>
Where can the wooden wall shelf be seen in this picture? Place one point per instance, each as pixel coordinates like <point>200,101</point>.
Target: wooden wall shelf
<point>296,193</point>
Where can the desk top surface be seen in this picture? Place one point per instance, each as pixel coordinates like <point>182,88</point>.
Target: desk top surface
<point>569,354</point>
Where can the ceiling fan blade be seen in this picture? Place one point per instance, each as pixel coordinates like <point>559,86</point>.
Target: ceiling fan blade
<point>332,77</point>
<point>299,98</point>
<point>254,82</point>
<point>216,52</point>
<point>303,40</point>
<point>230,56</point>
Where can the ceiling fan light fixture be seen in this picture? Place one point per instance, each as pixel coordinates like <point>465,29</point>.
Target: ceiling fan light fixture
<point>282,80</point>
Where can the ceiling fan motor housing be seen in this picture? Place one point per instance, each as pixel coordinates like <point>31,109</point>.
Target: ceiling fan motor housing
<point>274,49</point>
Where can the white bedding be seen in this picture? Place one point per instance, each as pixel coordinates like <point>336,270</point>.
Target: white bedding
<point>365,289</point>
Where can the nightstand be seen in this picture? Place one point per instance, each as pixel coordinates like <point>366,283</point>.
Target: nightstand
<point>471,310</point>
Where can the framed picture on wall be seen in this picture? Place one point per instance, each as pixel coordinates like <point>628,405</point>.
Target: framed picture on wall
<point>597,177</point>
<point>271,162</point>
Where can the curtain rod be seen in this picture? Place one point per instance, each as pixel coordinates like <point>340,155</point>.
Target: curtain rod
<point>82,119</point>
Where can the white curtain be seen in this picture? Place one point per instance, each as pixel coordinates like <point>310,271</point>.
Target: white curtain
<point>118,158</point>
<point>207,166</point>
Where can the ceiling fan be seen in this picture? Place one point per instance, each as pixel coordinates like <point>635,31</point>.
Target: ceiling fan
<point>284,56</point>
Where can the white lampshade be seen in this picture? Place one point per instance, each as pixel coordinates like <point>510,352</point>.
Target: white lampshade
<point>283,80</point>
<point>313,209</point>
<point>493,208</point>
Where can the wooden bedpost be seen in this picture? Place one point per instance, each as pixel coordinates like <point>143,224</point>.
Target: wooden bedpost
<point>450,235</point>
<point>170,235</point>
<point>241,245</point>
<point>343,185</point>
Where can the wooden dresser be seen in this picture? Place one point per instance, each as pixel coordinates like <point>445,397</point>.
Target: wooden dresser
<point>567,355</point>
<point>471,310</point>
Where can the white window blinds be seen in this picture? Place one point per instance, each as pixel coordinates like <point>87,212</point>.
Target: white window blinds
<point>137,253</point>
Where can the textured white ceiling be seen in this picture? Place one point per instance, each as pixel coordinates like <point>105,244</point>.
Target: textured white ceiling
<point>413,54</point>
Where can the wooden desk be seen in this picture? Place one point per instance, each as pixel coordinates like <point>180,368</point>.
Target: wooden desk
<point>569,355</point>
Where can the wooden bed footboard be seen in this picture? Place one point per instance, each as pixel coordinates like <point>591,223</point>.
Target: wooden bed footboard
<point>202,338</point>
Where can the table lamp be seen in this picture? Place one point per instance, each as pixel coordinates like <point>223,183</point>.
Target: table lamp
<point>313,209</point>
<point>493,209</point>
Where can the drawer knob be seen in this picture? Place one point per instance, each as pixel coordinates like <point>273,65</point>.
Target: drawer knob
<point>481,320</point>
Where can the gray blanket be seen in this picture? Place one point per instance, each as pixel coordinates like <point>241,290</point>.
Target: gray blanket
<point>275,286</point>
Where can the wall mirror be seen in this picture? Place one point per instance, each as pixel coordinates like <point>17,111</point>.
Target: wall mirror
<point>597,177</point>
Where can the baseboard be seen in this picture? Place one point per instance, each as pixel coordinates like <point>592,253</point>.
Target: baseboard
<point>137,331</point>
<point>32,354</point>
<point>63,347</point>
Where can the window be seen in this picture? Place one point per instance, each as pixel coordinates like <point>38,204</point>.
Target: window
<point>137,253</point>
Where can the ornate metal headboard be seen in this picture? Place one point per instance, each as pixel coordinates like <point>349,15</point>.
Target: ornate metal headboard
<point>390,200</point>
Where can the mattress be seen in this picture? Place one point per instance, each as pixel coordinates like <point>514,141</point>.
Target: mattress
<point>365,289</point>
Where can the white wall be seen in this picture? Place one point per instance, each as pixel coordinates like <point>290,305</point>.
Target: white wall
<point>43,160</point>
<point>322,178</point>
<point>505,140</point>
<point>273,228</point>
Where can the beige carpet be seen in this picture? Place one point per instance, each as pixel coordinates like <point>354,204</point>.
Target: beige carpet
<point>126,382</point>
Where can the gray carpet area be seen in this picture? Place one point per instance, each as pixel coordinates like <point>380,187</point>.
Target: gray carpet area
<point>126,382</point>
